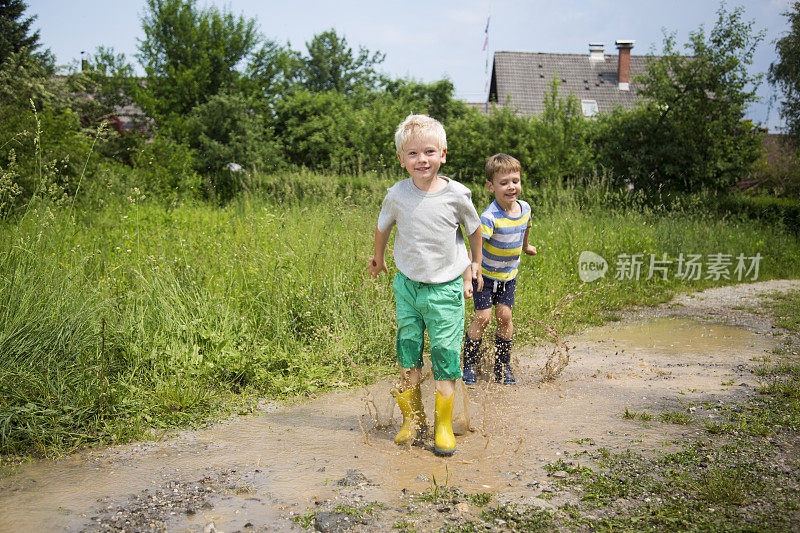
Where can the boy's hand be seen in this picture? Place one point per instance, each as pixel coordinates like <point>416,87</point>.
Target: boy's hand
<point>377,266</point>
<point>530,250</point>
<point>477,275</point>
<point>468,288</point>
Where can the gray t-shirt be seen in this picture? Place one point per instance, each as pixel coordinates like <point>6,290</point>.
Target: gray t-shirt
<point>429,246</point>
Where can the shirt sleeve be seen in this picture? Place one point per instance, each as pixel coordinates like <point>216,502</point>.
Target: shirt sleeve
<point>469,216</point>
<point>487,225</point>
<point>388,215</point>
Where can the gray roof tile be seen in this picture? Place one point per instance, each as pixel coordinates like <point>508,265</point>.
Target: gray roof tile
<point>522,79</point>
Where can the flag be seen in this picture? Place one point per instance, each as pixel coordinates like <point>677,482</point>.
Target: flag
<point>485,43</point>
<point>486,31</point>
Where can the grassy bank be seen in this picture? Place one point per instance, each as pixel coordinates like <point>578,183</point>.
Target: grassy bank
<point>122,315</point>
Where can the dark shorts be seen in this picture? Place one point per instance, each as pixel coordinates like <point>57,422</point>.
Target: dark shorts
<point>494,292</point>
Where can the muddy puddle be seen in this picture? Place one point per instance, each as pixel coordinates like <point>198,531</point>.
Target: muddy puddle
<point>284,461</point>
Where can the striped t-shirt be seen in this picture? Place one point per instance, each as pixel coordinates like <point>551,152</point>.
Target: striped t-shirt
<point>502,243</point>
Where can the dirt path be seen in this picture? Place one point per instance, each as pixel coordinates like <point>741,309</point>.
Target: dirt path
<point>255,472</point>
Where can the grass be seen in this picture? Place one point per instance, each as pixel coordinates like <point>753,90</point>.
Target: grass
<point>786,308</point>
<point>124,315</point>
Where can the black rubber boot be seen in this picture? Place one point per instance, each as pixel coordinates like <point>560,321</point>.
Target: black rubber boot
<point>502,362</point>
<point>471,351</point>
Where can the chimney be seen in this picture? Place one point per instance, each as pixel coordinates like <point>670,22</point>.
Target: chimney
<point>84,62</point>
<point>596,52</point>
<point>624,64</point>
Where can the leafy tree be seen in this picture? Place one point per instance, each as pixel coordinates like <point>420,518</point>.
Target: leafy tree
<point>24,72</point>
<point>551,148</point>
<point>436,99</point>
<point>190,54</point>
<point>272,71</point>
<point>228,129</point>
<point>15,34</point>
<point>785,73</point>
<point>317,130</point>
<point>332,65</point>
<point>690,134</point>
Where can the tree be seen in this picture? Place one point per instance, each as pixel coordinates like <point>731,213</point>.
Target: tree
<point>190,54</point>
<point>690,134</point>
<point>109,79</point>
<point>272,71</point>
<point>227,129</point>
<point>15,33</point>
<point>785,73</point>
<point>436,99</point>
<point>23,71</point>
<point>332,65</point>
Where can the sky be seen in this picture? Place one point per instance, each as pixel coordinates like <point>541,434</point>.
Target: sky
<point>429,40</point>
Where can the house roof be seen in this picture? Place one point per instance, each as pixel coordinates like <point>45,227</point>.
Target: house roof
<point>523,78</point>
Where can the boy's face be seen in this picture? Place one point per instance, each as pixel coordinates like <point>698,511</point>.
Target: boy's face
<point>422,157</point>
<point>506,187</point>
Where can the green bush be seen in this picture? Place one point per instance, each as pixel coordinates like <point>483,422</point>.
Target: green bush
<point>164,168</point>
<point>553,148</point>
<point>768,209</point>
<point>230,128</point>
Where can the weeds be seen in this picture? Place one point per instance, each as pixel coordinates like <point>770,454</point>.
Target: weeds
<point>137,315</point>
<point>729,486</point>
<point>681,418</point>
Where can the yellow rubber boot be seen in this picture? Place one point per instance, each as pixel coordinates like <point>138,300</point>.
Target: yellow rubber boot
<point>444,440</point>
<point>410,403</point>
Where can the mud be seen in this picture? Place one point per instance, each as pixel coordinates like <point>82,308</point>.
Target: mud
<point>257,472</point>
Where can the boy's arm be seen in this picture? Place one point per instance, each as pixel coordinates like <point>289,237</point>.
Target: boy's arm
<point>476,250</point>
<point>467,275</point>
<point>377,263</point>
<point>527,248</point>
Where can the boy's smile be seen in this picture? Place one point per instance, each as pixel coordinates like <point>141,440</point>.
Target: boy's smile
<point>422,157</point>
<point>506,189</point>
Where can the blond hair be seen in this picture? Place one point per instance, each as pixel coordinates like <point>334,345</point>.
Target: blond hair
<point>416,126</point>
<point>501,164</point>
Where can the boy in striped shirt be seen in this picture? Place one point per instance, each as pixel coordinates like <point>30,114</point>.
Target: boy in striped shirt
<point>504,227</point>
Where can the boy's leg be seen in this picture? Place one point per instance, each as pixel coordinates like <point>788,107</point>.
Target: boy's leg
<point>505,324</point>
<point>410,403</point>
<point>410,377</point>
<point>444,319</point>
<point>472,343</point>
<point>410,329</point>
<point>409,342</point>
<point>505,332</point>
<point>482,301</point>
<point>444,440</point>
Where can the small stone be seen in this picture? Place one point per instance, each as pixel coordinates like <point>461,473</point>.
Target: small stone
<point>462,507</point>
<point>210,528</point>
<point>423,478</point>
<point>354,478</point>
<point>559,474</point>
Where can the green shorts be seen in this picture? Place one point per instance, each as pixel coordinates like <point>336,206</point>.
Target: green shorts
<point>439,308</point>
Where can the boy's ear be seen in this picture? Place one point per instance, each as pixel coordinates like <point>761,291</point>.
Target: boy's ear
<point>401,161</point>
<point>444,155</point>
<point>489,186</point>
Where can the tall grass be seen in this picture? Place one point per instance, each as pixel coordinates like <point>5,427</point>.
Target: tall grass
<point>139,315</point>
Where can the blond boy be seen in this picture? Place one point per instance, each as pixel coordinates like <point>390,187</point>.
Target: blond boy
<point>434,272</point>
<point>505,225</point>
